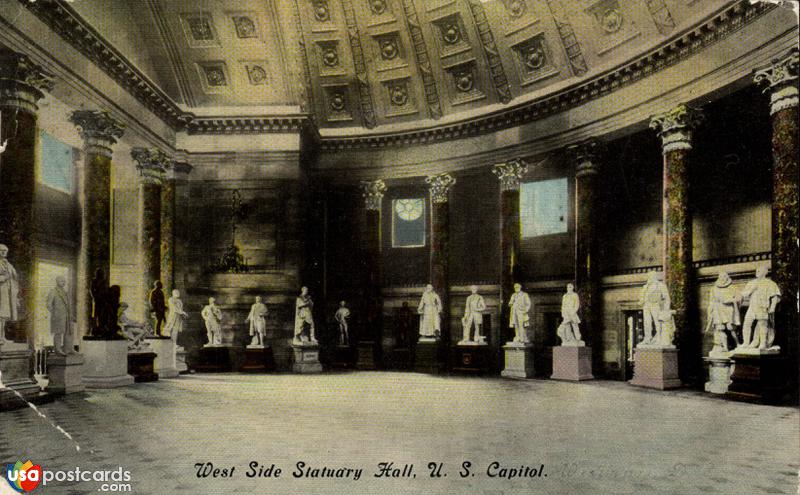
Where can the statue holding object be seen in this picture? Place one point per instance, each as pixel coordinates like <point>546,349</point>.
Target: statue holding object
<point>258,322</point>
<point>304,319</point>
<point>569,331</point>
<point>764,296</point>
<point>212,316</point>
<point>473,317</point>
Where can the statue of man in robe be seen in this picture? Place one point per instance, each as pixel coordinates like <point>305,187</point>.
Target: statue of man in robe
<point>569,331</point>
<point>764,295</point>
<point>176,316</point>
<point>430,307</point>
<point>473,316</point>
<point>723,312</point>
<point>212,316</point>
<point>60,317</point>
<point>341,316</point>
<point>258,322</point>
<point>519,304</point>
<point>655,303</point>
<point>9,292</point>
<point>304,317</point>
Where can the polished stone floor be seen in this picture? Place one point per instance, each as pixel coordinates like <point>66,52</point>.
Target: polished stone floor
<point>593,437</point>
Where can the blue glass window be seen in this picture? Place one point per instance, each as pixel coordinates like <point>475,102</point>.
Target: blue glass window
<point>408,222</point>
<point>57,164</point>
<point>543,207</point>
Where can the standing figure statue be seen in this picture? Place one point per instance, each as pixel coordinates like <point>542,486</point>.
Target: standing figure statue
<point>473,317</point>
<point>258,322</point>
<point>98,291</point>
<point>569,331</point>
<point>158,305</point>
<point>341,316</point>
<point>519,304</point>
<point>9,293</point>
<point>430,307</point>
<point>60,317</point>
<point>655,308</point>
<point>723,312</point>
<point>212,316</point>
<point>764,296</point>
<point>303,317</point>
<point>176,317</point>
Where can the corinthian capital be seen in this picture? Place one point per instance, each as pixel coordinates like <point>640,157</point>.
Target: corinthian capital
<point>440,185</point>
<point>21,81</point>
<point>510,173</point>
<point>584,155</point>
<point>675,127</point>
<point>151,164</point>
<point>373,191</point>
<point>781,81</point>
<point>98,129</point>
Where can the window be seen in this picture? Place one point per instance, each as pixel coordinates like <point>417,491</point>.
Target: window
<point>543,207</point>
<point>408,222</point>
<point>57,164</point>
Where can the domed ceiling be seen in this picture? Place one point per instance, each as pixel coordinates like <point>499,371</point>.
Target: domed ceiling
<point>363,64</point>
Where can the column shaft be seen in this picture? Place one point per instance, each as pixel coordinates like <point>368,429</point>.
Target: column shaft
<point>440,186</point>
<point>167,250</point>
<point>372,192</point>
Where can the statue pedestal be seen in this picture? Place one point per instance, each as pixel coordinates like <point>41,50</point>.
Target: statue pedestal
<point>366,356</point>
<point>655,367</point>
<point>64,374</point>
<point>165,364</point>
<point>759,377</point>
<point>572,363</point>
<point>344,357</point>
<point>214,358</point>
<point>258,359</point>
<point>180,359</point>
<point>306,358</point>
<point>141,366</point>
<point>426,357</point>
<point>719,373</point>
<point>518,360</point>
<point>472,357</point>
<point>106,363</point>
<point>16,376</point>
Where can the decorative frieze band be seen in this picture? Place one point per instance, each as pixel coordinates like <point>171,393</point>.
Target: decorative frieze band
<point>440,185</point>
<point>21,81</point>
<point>781,79</point>
<point>510,173</point>
<point>373,191</point>
<point>151,164</point>
<point>675,127</point>
<point>98,129</point>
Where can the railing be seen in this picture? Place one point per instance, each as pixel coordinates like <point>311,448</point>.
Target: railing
<point>40,360</point>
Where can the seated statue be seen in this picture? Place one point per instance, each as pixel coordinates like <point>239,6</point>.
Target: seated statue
<point>135,331</point>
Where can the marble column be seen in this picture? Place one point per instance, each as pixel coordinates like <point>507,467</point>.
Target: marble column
<point>151,165</point>
<point>176,173</point>
<point>587,268</point>
<point>22,84</point>
<point>675,130</point>
<point>509,174</point>
<point>370,341</point>
<point>781,79</point>
<point>440,245</point>
<point>100,132</point>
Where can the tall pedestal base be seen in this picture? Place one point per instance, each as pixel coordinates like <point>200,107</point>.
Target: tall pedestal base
<point>760,378</point>
<point>65,374</point>
<point>180,359</point>
<point>344,357</point>
<point>655,368</point>
<point>141,365</point>
<point>212,359</point>
<point>572,363</point>
<point>106,363</point>
<point>258,359</point>
<point>472,358</point>
<point>16,376</point>
<point>366,356</point>
<point>306,359</point>
<point>165,364</point>
<point>426,357</point>
<point>719,374</point>
<point>518,361</point>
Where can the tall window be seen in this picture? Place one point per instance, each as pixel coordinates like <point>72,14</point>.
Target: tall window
<point>543,207</point>
<point>408,222</point>
<point>57,164</point>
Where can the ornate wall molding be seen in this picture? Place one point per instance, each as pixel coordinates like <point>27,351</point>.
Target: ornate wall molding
<point>440,186</point>
<point>373,191</point>
<point>781,79</point>
<point>98,129</point>
<point>364,94</point>
<point>247,125</point>
<point>152,164</point>
<point>423,60</point>
<point>22,83</point>
<point>675,127</point>
<point>490,49</point>
<point>510,173</point>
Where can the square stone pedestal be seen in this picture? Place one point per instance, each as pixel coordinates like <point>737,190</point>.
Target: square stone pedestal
<point>165,364</point>
<point>473,358</point>
<point>719,374</point>
<point>17,385</point>
<point>573,363</point>
<point>306,358</point>
<point>426,357</point>
<point>64,374</point>
<point>258,359</point>
<point>105,363</point>
<point>141,365</point>
<point>655,367</point>
<point>518,360</point>
<point>759,377</point>
<point>344,357</point>
<point>212,359</point>
<point>366,356</point>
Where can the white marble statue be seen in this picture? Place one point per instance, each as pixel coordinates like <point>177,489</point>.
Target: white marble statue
<point>569,331</point>
<point>258,322</point>
<point>473,317</point>
<point>135,331</point>
<point>656,310</point>
<point>723,313</point>
<point>9,293</point>
<point>212,316</point>
<point>764,296</point>
<point>304,315</point>
<point>430,307</point>
<point>519,305</point>
<point>341,316</point>
<point>176,316</point>
<point>61,324</point>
